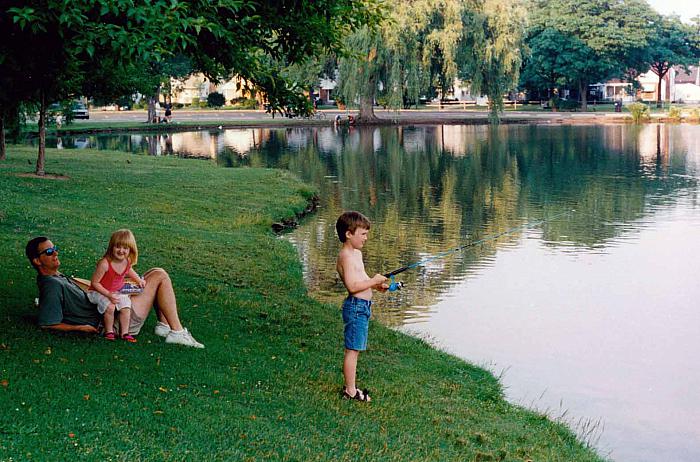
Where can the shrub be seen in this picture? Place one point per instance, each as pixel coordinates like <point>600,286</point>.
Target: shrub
<point>244,103</point>
<point>568,105</point>
<point>215,99</point>
<point>674,113</point>
<point>694,115</point>
<point>639,111</point>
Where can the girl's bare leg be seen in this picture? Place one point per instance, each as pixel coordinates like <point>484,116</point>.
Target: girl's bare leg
<point>109,318</point>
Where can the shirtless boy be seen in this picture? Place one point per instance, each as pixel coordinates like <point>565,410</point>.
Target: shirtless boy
<point>353,229</point>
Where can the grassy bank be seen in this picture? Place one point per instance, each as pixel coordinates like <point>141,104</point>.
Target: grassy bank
<point>266,386</point>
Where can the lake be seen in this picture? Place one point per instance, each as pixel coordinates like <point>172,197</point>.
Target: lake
<point>582,293</point>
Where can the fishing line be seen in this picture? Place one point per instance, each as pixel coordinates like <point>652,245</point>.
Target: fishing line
<point>394,285</point>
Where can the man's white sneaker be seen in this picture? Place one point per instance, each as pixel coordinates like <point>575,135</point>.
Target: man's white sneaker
<point>162,329</point>
<point>182,337</point>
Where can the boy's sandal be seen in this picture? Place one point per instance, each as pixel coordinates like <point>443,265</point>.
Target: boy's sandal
<point>110,336</point>
<point>360,395</point>
<point>129,338</point>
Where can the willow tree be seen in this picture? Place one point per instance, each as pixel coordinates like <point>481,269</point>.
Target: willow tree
<point>491,49</point>
<point>426,44</point>
<point>399,58</point>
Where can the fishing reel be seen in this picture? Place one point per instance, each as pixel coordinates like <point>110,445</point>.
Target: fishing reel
<point>394,285</point>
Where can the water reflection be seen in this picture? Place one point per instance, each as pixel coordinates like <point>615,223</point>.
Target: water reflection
<point>432,188</point>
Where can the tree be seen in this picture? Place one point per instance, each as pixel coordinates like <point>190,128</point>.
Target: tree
<point>672,44</point>
<point>72,42</point>
<point>215,99</point>
<point>413,49</point>
<point>598,39</point>
<point>492,49</point>
<point>424,45</point>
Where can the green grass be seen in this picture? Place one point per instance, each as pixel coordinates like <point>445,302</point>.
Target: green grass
<point>266,386</point>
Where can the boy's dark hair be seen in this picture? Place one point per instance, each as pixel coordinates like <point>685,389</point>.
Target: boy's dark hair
<point>350,221</point>
<point>32,249</point>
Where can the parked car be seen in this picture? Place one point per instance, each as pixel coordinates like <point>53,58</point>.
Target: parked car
<point>80,111</point>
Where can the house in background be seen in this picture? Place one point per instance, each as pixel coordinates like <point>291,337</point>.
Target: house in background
<point>197,87</point>
<point>687,85</point>
<point>677,86</point>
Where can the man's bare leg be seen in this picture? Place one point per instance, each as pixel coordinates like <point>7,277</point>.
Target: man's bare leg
<point>160,294</point>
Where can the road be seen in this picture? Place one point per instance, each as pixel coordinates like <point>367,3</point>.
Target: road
<point>410,115</point>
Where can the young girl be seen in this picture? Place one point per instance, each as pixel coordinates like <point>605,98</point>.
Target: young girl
<point>108,279</point>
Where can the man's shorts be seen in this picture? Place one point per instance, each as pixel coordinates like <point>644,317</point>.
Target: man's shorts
<point>102,302</point>
<point>356,313</point>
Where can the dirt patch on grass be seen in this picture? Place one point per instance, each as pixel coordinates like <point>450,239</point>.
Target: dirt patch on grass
<point>47,176</point>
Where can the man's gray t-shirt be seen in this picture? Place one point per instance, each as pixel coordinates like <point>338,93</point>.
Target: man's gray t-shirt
<point>62,301</point>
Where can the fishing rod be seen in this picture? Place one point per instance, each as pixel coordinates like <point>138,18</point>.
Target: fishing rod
<point>394,285</point>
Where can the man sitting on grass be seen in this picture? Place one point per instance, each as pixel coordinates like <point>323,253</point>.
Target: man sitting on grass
<point>64,306</point>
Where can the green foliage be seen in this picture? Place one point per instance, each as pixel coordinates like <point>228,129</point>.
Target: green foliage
<point>244,103</point>
<point>423,45</point>
<point>671,45</point>
<point>694,115</point>
<point>574,43</point>
<point>106,49</point>
<point>675,113</point>
<point>492,46</point>
<point>216,99</point>
<point>561,104</point>
<point>639,111</point>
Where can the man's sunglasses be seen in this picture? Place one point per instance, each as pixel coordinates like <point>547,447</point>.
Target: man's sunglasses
<point>50,251</point>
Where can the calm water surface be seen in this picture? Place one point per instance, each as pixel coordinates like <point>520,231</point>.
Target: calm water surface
<point>592,317</point>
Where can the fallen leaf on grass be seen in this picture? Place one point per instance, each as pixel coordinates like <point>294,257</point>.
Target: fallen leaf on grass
<point>163,389</point>
<point>4,383</point>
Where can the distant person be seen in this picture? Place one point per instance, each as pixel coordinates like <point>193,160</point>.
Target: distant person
<point>156,118</point>
<point>108,279</point>
<point>168,112</point>
<point>352,229</point>
<point>64,306</point>
<point>337,119</point>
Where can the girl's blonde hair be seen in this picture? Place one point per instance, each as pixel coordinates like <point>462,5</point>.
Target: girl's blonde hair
<point>123,237</point>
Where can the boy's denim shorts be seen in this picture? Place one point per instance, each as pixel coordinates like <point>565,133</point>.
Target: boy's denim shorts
<point>356,313</point>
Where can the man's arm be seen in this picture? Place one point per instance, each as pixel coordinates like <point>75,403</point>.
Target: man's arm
<point>86,328</point>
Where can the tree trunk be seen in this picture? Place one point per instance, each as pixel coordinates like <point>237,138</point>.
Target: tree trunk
<point>151,110</point>
<point>41,158</point>
<point>583,92</point>
<point>658,90</point>
<point>367,103</point>
<point>3,154</point>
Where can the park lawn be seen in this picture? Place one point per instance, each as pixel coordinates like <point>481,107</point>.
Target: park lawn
<point>266,387</point>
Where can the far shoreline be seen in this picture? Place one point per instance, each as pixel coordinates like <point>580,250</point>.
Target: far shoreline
<point>106,122</point>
